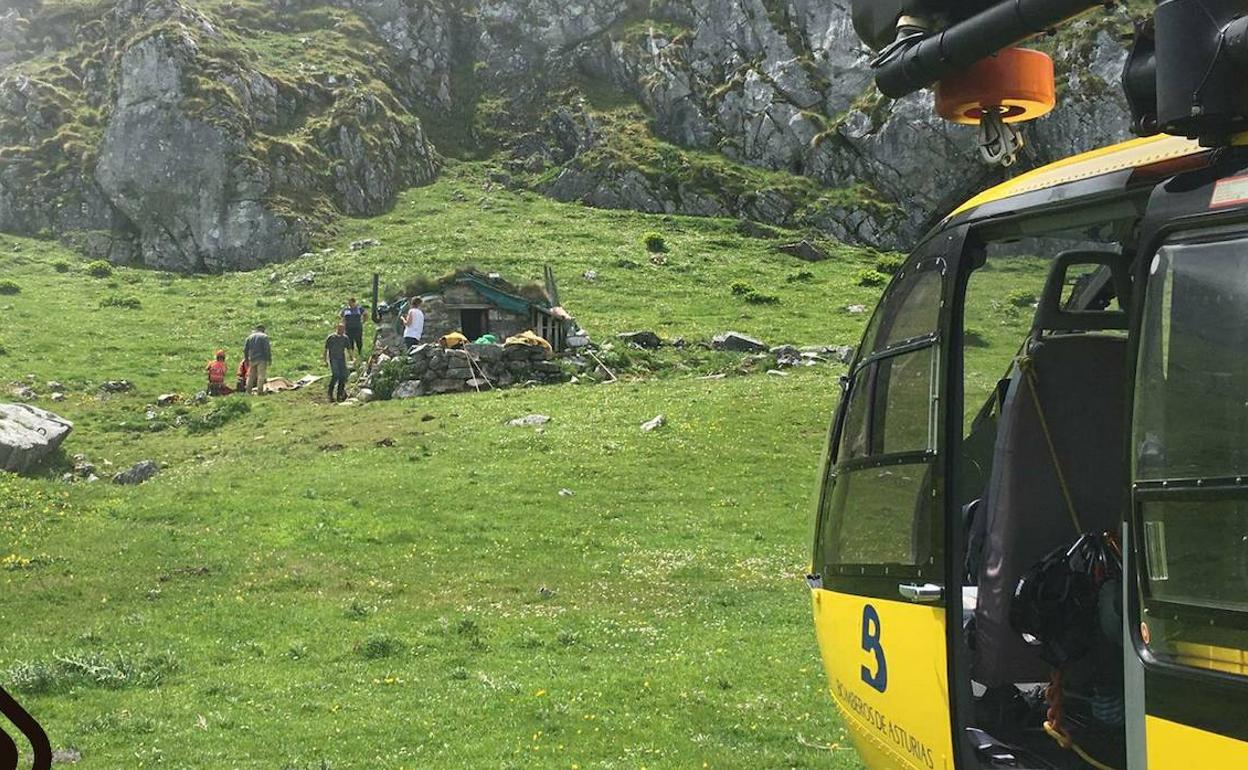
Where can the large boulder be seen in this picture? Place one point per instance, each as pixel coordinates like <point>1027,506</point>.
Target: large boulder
<point>28,435</point>
<point>738,342</point>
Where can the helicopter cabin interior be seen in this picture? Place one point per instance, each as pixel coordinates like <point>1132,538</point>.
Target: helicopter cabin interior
<point>1043,460</point>
<point>1045,457</point>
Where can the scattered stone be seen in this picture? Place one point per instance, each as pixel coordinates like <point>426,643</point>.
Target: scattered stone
<point>365,395</point>
<point>150,413</point>
<point>777,373</point>
<point>787,355</point>
<point>803,250</point>
<point>590,275</point>
<point>366,243</point>
<point>307,279</point>
<point>739,342</point>
<point>53,385</point>
<point>24,393</point>
<point>28,435</point>
<point>385,442</point>
<point>654,424</point>
<point>117,386</point>
<point>751,229</point>
<point>427,418</point>
<point>57,396</point>
<point>200,397</point>
<point>644,339</point>
<point>82,466</point>
<point>719,376</point>
<point>546,593</point>
<point>66,756</point>
<point>565,492</point>
<point>137,474</point>
<point>167,399</point>
<point>529,421</point>
<point>407,389</point>
<point>857,309</point>
<point>578,340</point>
<point>274,277</point>
<point>679,343</point>
<point>332,447</point>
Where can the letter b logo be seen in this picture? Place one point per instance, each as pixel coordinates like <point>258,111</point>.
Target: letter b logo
<point>871,632</point>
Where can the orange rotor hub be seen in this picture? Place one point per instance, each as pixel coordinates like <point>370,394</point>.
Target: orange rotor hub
<point>1017,82</point>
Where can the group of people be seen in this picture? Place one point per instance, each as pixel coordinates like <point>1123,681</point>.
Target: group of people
<point>253,369</point>
<point>339,353</point>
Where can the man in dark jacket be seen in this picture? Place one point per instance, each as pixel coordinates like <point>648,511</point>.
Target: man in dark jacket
<point>336,347</point>
<point>258,352</point>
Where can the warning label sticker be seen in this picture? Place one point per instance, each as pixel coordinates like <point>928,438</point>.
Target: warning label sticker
<point>1229,192</point>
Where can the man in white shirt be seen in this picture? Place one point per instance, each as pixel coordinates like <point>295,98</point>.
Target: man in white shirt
<point>413,323</point>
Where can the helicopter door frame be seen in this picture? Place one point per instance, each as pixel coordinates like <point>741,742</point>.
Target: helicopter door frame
<point>1189,711</point>
<point>887,616</point>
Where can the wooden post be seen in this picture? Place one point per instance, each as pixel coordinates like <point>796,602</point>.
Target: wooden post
<point>376,296</point>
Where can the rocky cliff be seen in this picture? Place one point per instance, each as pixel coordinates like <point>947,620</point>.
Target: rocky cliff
<point>222,134</point>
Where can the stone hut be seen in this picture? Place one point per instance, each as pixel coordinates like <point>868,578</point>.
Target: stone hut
<point>475,305</point>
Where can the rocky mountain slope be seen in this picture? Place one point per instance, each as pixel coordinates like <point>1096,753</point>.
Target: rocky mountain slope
<point>223,134</point>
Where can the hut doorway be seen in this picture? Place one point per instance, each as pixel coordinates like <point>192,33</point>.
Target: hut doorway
<point>474,322</point>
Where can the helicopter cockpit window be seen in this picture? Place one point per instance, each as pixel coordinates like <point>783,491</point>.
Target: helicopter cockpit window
<point>877,511</point>
<point>1191,451</point>
<point>911,309</point>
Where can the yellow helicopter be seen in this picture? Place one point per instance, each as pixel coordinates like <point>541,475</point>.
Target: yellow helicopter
<point>1050,570</point>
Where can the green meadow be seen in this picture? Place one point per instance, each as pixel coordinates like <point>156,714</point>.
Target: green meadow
<point>416,584</point>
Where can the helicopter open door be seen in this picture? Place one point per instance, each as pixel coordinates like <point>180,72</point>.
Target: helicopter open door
<point>1190,520</point>
<point>879,564</point>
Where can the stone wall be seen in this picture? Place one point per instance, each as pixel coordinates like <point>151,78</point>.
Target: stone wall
<point>433,369</point>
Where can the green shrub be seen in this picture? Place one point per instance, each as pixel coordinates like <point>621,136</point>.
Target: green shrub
<point>221,412</point>
<point>99,268</point>
<point>741,288</point>
<point>379,646</point>
<point>627,264</point>
<point>70,671</point>
<point>802,276</point>
<point>60,266</point>
<point>655,243</point>
<point>9,287</point>
<point>871,277</point>
<point>3,350</point>
<point>1021,298</point>
<point>759,298</point>
<point>889,264</point>
<point>388,377</point>
<point>123,301</point>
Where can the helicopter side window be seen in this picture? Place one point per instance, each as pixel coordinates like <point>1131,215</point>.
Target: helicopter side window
<point>877,510</point>
<point>1191,453</point>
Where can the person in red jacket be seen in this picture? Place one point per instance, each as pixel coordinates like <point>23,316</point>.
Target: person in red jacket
<point>241,385</point>
<point>216,376</point>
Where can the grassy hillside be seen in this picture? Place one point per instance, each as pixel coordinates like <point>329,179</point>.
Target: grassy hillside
<point>403,584</point>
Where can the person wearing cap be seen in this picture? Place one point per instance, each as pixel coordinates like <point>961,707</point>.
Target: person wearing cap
<point>216,375</point>
<point>353,320</point>
<point>336,347</point>
<point>258,351</point>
